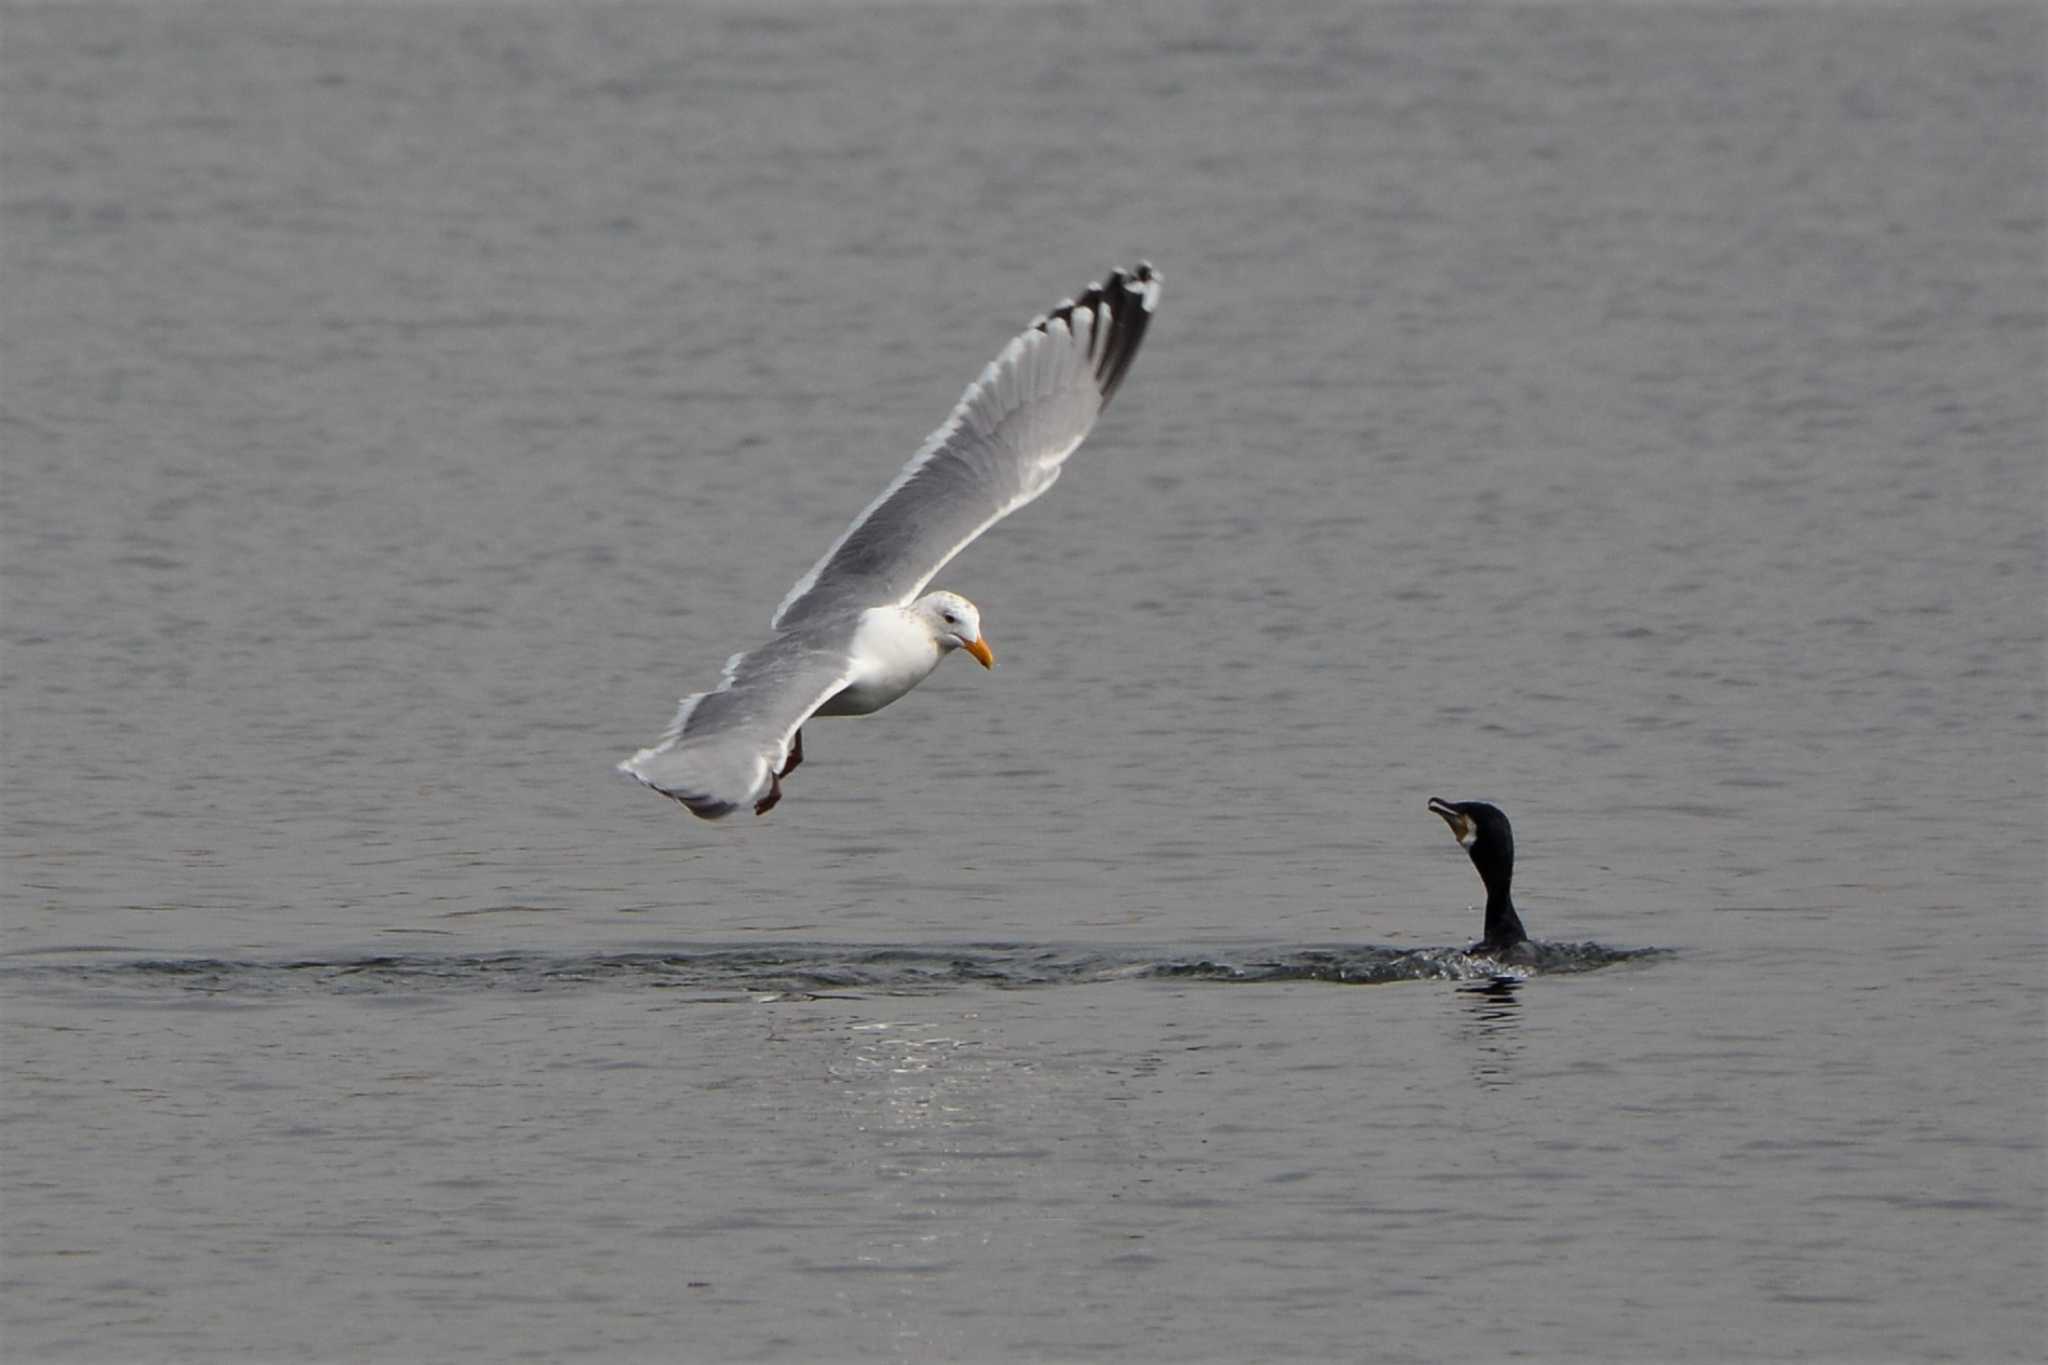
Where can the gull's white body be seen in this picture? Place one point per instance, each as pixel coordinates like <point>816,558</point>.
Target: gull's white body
<point>854,635</point>
<point>894,649</point>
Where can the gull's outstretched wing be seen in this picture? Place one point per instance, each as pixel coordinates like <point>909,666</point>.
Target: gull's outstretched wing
<point>1001,448</point>
<point>724,746</point>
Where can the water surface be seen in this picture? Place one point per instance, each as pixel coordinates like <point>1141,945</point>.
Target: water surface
<point>1629,414</point>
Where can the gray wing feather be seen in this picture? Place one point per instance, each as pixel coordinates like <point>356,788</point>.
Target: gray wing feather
<point>723,747</point>
<point>1002,447</point>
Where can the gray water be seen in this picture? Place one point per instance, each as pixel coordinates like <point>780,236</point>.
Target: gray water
<point>1631,414</point>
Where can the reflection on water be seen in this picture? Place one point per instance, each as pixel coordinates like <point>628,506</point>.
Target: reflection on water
<point>1492,1017</point>
<point>908,1060</point>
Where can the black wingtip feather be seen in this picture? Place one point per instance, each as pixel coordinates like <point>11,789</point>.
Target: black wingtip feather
<point>1122,315</point>
<point>702,805</point>
<point>1125,298</point>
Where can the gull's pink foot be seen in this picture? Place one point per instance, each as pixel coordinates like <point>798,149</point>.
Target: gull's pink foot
<point>796,756</point>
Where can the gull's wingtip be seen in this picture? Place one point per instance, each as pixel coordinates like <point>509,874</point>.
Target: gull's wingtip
<point>1110,300</point>
<point>1142,279</point>
<point>1144,282</point>
<point>702,805</point>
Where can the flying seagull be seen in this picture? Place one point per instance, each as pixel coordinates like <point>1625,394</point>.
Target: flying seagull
<point>853,635</point>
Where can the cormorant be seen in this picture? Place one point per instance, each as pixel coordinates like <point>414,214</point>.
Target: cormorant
<point>1483,831</point>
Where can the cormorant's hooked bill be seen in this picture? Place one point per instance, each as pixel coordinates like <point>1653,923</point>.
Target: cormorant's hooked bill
<point>1484,833</point>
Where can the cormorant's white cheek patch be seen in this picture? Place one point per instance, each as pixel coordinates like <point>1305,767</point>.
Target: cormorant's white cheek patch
<point>1468,835</point>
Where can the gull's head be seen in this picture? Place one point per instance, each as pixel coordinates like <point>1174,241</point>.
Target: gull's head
<point>956,624</point>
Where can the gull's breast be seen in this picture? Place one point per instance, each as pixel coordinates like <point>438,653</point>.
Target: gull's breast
<point>893,652</point>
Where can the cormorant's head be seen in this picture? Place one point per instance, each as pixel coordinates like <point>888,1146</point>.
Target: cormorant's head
<point>1482,831</point>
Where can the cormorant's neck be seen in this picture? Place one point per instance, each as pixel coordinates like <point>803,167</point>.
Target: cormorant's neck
<point>1503,925</point>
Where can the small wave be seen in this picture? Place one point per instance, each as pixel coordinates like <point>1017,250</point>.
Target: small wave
<point>805,969</point>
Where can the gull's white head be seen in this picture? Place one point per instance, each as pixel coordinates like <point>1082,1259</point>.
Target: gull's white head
<point>956,624</point>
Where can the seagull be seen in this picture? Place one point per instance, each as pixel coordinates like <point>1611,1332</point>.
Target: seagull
<point>854,634</point>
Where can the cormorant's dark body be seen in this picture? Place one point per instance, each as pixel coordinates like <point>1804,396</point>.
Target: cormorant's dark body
<point>1486,835</point>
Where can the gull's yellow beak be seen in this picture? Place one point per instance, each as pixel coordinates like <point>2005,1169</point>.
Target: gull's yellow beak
<point>983,655</point>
